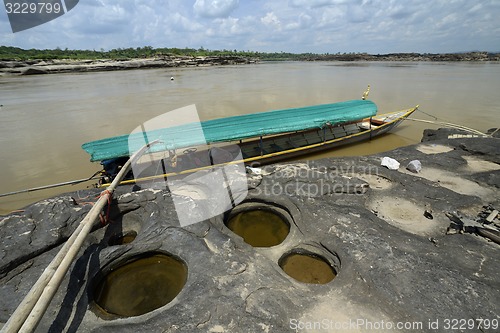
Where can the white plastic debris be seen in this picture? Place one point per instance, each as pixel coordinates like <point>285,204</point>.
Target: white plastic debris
<point>390,163</point>
<point>414,166</point>
<point>492,216</point>
<point>256,171</point>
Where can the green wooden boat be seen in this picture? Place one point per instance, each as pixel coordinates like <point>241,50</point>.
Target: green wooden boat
<point>261,137</point>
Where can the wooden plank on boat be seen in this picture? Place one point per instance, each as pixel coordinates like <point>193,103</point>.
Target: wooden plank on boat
<point>351,129</point>
<point>339,132</point>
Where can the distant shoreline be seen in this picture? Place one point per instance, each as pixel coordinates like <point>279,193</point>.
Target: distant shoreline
<point>54,66</point>
<point>449,57</point>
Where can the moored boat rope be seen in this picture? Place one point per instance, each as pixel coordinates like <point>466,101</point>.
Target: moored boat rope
<point>451,125</point>
<point>494,132</point>
<point>447,124</point>
<point>45,187</point>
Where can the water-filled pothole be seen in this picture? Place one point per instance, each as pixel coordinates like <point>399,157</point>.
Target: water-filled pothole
<point>141,285</point>
<point>123,238</point>
<point>259,226</point>
<point>307,267</point>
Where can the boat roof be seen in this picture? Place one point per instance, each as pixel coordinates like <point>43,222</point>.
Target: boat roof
<point>232,128</point>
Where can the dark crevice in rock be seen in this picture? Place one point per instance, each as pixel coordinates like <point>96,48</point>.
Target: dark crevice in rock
<point>21,260</point>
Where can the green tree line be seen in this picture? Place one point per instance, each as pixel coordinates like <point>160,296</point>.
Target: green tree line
<point>15,53</point>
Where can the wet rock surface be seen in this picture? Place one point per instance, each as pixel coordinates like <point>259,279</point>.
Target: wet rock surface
<point>384,232</point>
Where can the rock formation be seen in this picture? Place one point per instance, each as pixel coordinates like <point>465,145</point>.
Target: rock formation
<point>406,248</point>
<point>31,67</point>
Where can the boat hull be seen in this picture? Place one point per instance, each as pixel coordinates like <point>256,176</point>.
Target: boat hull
<point>326,146</point>
<point>266,150</point>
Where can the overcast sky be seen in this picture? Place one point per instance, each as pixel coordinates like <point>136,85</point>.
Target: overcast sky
<point>372,26</point>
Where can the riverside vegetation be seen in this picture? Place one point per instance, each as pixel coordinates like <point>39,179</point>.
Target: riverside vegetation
<point>15,60</point>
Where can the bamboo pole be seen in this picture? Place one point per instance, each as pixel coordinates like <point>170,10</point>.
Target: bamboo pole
<point>29,313</point>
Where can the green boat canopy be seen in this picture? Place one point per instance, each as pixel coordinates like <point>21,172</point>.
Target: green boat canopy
<point>232,128</point>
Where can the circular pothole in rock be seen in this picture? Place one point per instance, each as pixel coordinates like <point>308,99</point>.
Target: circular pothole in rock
<point>140,285</point>
<point>259,225</point>
<point>123,238</point>
<point>405,214</point>
<point>307,267</point>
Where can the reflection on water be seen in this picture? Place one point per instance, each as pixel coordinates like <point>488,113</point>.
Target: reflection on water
<point>123,238</point>
<point>259,228</point>
<point>141,286</point>
<point>46,118</point>
<point>308,268</point>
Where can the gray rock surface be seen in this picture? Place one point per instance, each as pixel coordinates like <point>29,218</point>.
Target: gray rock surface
<point>386,232</point>
<point>467,56</point>
<point>34,67</point>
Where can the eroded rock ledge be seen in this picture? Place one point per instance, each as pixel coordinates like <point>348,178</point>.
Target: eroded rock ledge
<point>400,257</point>
<point>453,57</point>
<point>34,67</point>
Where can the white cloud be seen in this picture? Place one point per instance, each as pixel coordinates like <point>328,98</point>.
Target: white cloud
<point>317,3</point>
<point>271,20</point>
<point>215,8</point>
<point>304,21</point>
<point>229,26</point>
<point>374,26</point>
<point>179,22</point>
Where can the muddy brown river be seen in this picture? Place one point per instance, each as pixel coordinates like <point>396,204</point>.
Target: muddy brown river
<point>45,119</point>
